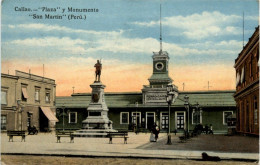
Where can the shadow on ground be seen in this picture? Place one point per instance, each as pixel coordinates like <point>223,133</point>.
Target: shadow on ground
<point>219,143</point>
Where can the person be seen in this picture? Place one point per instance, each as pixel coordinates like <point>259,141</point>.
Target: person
<point>206,128</point>
<point>98,67</point>
<point>156,131</point>
<point>210,129</point>
<point>153,133</point>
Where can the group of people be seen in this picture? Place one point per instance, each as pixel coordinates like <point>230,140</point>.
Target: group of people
<point>206,129</point>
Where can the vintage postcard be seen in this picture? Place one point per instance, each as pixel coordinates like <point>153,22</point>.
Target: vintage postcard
<point>129,82</point>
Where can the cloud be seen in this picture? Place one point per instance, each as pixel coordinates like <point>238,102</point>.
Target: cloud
<point>116,42</point>
<point>122,44</point>
<point>64,43</point>
<point>48,28</point>
<point>200,26</point>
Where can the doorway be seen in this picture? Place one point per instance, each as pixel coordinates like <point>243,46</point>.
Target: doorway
<point>44,122</point>
<point>150,120</point>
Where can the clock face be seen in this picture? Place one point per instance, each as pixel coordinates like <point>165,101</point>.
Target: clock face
<point>159,66</point>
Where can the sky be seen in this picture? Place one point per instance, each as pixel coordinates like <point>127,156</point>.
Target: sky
<point>203,39</point>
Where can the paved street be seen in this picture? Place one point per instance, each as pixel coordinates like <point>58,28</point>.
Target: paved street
<point>55,160</point>
<point>138,146</point>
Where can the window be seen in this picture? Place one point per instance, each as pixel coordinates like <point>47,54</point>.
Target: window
<point>24,93</point>
<point>37,94</point>
<point>196,117</point>
<point>47,96</point>
<point>73,117</point>
<point>226,114</point>
<point>255,111</point>
<point>124,118</point>
<point>250,66</point>
<point>164,120</point>
<point>4,97</point>
<point>3,122</point>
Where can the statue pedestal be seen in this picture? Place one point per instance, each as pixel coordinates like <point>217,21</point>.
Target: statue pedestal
<point>97,123</point>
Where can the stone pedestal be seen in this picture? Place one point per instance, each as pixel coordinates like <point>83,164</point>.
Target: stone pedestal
<point>97,124</point>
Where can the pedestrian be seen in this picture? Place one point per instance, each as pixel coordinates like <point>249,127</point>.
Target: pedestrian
<point>210,129</point>
<point>206,128</point>
<point>154,134</point>
<point>157,131</point>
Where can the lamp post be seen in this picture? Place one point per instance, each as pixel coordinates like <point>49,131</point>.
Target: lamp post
<point>20,111</point>
<point>63,114</point>
<point>63,107</point>
<point>197,111</point>
<point>136,105</point>
<point>187,106</point>
<point>170,97</point>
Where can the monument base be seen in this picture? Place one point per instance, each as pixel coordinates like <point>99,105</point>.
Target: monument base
<point>97,124</point>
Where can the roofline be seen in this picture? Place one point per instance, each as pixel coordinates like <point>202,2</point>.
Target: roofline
<point>251,42</point>
<point>213,91</point>
<point>106,93</point>
<point>139,93</point>
<point>33,75</point>
<point>9,76</point>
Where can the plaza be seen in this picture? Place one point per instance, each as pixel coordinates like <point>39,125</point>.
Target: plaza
<point>45,144</point>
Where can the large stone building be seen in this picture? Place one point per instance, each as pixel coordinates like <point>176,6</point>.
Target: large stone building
<point>215,107</point>
<point>27,100</point>
<point>247,86</point>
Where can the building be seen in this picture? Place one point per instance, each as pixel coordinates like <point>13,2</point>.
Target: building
<point>128,110</point>
<point>214,108</point>
<point>247,87</point>
<point>27,100</point>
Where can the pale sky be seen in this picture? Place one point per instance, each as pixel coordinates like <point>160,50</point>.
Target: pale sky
<point>203,39</point>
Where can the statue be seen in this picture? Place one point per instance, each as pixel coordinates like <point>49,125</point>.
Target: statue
<point>98,67</point>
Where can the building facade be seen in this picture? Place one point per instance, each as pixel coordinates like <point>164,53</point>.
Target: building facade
<point>127,110</point>
<point>27,100</point>
<point>247,87</point>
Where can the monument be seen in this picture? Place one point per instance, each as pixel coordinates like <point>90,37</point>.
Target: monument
<point>97,124</point>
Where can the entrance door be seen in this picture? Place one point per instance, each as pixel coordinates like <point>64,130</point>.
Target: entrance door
<point>180,120</point>
<point>44,122</point>
<point>149,120</point>
<point>164,121</point>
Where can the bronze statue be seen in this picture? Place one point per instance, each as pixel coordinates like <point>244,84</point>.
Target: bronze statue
<point>98,66</point>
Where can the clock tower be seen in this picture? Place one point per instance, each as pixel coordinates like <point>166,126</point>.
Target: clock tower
<point>160,76</point>
<point>156,92</point>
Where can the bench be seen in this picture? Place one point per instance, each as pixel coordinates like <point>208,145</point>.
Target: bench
<point>60,134</point>
<point>122,134</point>
<point>11,134</point>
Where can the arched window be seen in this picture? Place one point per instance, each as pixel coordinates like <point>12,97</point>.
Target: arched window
<point>255,110</point>
<point>250,66</point>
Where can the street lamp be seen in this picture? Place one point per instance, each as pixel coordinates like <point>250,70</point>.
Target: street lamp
<point>197,112</point>
<point>136,105</point>
<point>63,114</point>
<point>187,106</point>
<point>20,108</point>
<point>170,97</point>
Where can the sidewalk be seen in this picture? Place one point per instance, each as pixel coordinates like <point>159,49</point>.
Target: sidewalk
<point>138,146</point>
